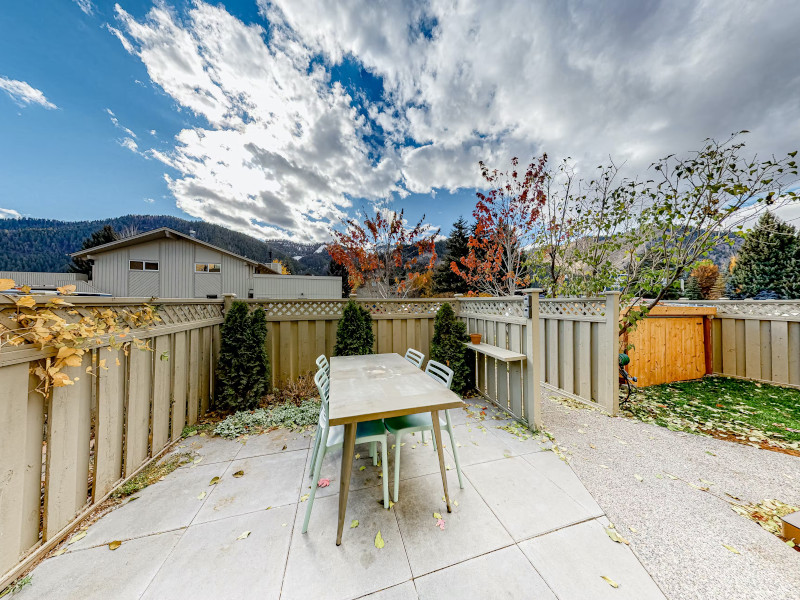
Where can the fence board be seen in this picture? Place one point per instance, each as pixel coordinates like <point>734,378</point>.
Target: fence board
<point>794,353</point>
<point>765,351</point>
<point>779,345</point>
<point>205,369</point>
<point>193,400</point>
<point>180,380</point>
<point>110,421</point>
<point>137,423</point>
<point>162,383</point>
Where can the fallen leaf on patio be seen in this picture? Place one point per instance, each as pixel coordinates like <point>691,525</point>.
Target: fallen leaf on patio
<point>659,476</point>
<point>77,536</point>
<point>710,453</point>
<point>201,495</point>
<point>698,487</point>
<point>609,581</point>
<point>614,535</point>
<point>790,543</point>
<point>448,467</point>
<point>592,446</point>
<point>437,515</point>
<point>440,524</point>
<point>506,454</point>
<point>638,477</point>
<point>244,535</point>
<point>239,474</point>
<point>304,497</point>
<point>391,504</point>
<point>379,543</point>
<point>361,468</point>
<point>357,456</point>
<point>284,447</point>
<point>458,445</point>
<point>214,480</point>
<point>633,530</point>
<point>353,523</point>
<point>731,548</point>
<point>603,467</point>
<point>706,481</point>
<point>455,502</point>
<point>197,459</point>
<point>670,476</point>
<point>114,545</point>
<point>59,552</point>
<point>581,431</point>
<point>323,482</point>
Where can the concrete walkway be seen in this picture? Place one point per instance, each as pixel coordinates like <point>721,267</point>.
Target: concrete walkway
<point>523,527</point>
<point>651,479</point>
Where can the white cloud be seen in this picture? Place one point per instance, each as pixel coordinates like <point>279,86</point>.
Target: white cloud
<point>149,200</point>
<point>24,94</point>
<point>283,152</point>
<point>9,213</point>
<point>130,144</point>
<point>118,125</point>
<point>85,5</point>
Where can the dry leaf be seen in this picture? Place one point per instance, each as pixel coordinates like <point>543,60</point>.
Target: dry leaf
<point>361,468</point>
<point>437,516</point>
<point>59,552</point>
<point>614,535</point>
<point>638,477</point>
<point>77,536</point>
<point>214,481</point>
<point>353,523</point>
<point>731,548</point>
<point>114,545</point>
<point>304,497</point>
<point>239,474</point>
<point>440,524</point>
<point>6,284</point>
<point>244,535</point>
<point>201,496</point>
<point>609,581</point>
<point>323,482</point>
<point>379,543</point>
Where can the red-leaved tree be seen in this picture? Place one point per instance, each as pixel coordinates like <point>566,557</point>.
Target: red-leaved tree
<point>507,221</point>
<point>383,254</point>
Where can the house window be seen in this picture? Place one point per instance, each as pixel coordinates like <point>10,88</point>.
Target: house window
<point>207,267</point>
<point>143,265</point>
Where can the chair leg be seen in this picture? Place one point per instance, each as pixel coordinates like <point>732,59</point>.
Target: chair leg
<point>397,438</point>
<point>314,453</point>
<point>433,439</point>
<point>317,468</point>
<point>423,436</point>
<point>385,467</point>
<point>371,449</point>
<point>455,457</point>
<point>373,446</point>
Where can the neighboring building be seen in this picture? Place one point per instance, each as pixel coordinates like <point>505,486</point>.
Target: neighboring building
<point>165,263</point>
<point>50,280</point>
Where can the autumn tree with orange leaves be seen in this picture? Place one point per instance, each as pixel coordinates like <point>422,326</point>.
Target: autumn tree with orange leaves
<point>383,254</point>
<point>507,221</point>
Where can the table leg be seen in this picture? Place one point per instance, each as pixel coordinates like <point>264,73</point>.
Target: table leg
<point>348,447</point>
<point>437,432</point>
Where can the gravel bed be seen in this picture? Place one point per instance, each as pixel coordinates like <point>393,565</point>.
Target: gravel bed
<point>681,531</point>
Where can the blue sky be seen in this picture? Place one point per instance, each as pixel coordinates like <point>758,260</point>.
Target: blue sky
<point>279,118</point>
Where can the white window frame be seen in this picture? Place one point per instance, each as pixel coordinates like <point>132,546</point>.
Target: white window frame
<point>144,268</point>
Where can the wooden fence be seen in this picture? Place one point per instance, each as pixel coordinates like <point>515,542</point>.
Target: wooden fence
<point>579,341</point>
<point>62,455</point>
<point>756,339</point>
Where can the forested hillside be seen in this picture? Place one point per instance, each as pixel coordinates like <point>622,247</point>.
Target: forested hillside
<point>45,244</point>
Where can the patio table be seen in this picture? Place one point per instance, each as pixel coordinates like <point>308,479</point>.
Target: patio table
<point>379,386</point>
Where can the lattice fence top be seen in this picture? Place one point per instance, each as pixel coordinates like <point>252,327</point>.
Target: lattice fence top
<point>327,309</point>
<point>579,309</point>
<point>493,307</point>
<point>763,309</point>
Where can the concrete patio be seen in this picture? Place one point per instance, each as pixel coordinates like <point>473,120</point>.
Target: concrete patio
<point>523,527</point>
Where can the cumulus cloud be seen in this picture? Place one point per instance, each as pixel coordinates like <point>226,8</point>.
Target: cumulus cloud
<point>24,94</point>
<point>283,150</point>
<point>9,213</point>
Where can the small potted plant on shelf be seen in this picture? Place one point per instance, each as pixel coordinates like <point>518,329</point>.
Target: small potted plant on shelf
<point>475,338</point>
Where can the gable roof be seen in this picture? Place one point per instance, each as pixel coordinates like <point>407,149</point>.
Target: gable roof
<point>158,234</point>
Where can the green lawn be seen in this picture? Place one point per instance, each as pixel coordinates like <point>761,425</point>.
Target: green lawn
<point>750,412</point>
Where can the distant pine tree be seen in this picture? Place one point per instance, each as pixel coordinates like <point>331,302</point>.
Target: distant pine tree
<point>243,366</point>
<point>444,280</point>
<point>337,270</point>
<point>718,289</point>
<point>769,261</point>
<point>354,334</point>
<point>98,238</point>
<point>693,291</point>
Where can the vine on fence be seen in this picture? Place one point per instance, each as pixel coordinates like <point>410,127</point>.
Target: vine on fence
<point>42,326</point>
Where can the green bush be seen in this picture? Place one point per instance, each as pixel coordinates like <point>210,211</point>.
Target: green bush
<point>354,335</point>
<point>287,415</point>
<point>243,367</point>
<point>447,346</point>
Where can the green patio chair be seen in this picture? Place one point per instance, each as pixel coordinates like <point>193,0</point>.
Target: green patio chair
<point>333,437</point>
<point>422,422</point>
<point>415,357</point>
<point>322,363</point>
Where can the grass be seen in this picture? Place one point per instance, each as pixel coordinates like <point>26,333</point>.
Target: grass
<point>152,473</point>
<point>744,411</point>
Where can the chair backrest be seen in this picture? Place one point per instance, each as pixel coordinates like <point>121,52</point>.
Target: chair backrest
<point>441,373</point>
<point>323,385</point>
<point>322,363</point>
<point>415,357</point>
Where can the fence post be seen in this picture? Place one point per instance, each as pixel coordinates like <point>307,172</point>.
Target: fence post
<point>533,378</point>
<point>457,303</point>
<point>609,350</point>
<point>227,301</point>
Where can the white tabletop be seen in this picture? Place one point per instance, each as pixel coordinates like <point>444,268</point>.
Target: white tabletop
<point>379,386</point>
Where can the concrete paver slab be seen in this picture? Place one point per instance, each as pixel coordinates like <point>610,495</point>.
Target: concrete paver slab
<point>560,473</point>
<point>404,591</point>
<point>212,449</point>
<point>210,562</point>
<point>525,500</point>
<point>505,573</point>
<point>275,442</point>
<point>470,530</point>
<point>573,560</point>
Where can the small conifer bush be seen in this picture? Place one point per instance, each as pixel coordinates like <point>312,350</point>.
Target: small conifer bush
<point>243,366</point>
<point>447,346</point>
<point>354,335</point>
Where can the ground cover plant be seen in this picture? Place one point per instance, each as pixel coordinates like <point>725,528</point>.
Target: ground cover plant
<point>748,412</point>
<point>288,415</point>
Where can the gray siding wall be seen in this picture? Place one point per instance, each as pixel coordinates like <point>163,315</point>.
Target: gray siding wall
<point>177,269</point>
<point>296,286</point>
<point>110,272</point>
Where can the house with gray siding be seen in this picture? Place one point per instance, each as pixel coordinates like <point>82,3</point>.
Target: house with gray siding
<point>165,263</point>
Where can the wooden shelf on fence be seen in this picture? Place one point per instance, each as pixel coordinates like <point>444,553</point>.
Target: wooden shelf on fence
<point>495,352</point>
